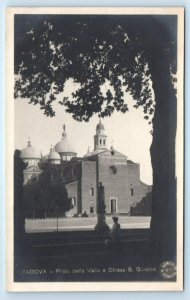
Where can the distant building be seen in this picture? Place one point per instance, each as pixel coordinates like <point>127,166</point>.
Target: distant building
<point>81,175</point>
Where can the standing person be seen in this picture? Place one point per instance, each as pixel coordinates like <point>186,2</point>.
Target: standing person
<point>114,240</point>
<point>116,231</point>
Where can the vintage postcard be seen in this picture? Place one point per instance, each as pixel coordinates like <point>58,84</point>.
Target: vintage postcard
<point>95,149</point>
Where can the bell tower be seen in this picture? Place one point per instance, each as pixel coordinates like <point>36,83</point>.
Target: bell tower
<point>100,138</point>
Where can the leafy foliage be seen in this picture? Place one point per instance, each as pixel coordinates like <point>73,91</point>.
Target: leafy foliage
<point>92,51</point>
<point>41,198</point>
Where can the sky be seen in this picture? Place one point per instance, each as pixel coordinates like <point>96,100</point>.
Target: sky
<point>128,133</point>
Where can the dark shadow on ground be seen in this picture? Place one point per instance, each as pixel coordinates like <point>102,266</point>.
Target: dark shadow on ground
<point>82,256</point>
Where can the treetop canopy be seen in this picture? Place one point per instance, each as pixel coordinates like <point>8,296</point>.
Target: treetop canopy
<point>91,50</point>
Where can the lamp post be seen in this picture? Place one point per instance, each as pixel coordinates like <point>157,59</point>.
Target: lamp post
<point>101,225</point>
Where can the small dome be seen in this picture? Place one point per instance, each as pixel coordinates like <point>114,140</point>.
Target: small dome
<point>100,126</point>
<point>53,155</point>
<point>44,158</point>
<point>64,146</point>
<point>30,152</point>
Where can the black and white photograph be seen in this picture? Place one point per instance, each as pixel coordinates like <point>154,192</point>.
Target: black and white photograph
<point>95,149</point>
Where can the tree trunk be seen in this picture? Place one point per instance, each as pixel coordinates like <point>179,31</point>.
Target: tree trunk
<point>163,223</point>
<point>19,216</point>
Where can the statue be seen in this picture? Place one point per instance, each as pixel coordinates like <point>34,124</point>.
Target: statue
<point>101,225</point>
<point>101,199</point>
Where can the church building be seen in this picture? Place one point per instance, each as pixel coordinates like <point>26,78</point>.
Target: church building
<point>81,175</point>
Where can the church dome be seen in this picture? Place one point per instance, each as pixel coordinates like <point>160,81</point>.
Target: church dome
<point>64,146</point>
<point>100,126</point>
<point>53,155</point>
<point>30,152</point>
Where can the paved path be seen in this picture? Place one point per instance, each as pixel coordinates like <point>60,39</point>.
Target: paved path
<point>70,224</point>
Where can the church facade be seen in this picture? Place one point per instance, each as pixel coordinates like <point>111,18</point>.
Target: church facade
<point>82,175</point>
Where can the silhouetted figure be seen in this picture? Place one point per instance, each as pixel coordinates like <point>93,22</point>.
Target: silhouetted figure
<point>115,231</point>
<point>84,215</point>
<point>114,241</point>
<point>101,199</point>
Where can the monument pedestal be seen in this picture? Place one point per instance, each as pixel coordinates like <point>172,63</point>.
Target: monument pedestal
<point>101,225</point>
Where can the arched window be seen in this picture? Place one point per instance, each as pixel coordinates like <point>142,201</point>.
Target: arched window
<point>91,191</point>
<point>91,207</point>
<point>132,191</point>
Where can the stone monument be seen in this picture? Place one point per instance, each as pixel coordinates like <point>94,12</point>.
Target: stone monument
<point>101,225</point>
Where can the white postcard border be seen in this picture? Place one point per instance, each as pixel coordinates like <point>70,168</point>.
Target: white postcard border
<point>95,286</point>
